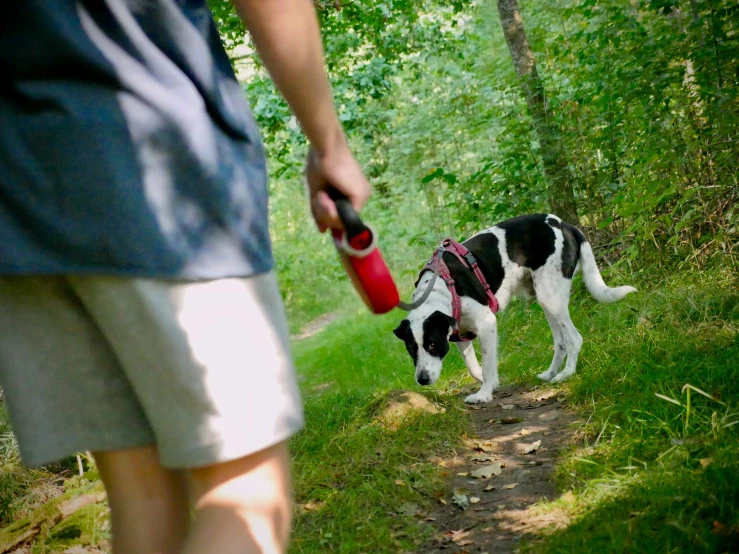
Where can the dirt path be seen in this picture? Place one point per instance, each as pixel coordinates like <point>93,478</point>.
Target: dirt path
<point>316,326</point>
<point>499,513</point>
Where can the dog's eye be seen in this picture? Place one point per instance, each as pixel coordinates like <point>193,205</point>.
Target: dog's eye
<point>432,346</point>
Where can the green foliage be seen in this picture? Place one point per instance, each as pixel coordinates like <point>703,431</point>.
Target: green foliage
<point>644,96</point>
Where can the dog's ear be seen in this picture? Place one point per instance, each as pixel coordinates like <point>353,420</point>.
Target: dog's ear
<point>452,322</point>
<point>401,331</point>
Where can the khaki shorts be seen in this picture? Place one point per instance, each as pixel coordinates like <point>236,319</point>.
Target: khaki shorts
<point>201,369</point>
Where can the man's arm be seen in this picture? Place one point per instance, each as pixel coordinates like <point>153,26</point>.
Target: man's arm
<point>288,40</point>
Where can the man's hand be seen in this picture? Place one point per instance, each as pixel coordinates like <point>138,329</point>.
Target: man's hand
<point>337,169</point>
<point>287,38</point>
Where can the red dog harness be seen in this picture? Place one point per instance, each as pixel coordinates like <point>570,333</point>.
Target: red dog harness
<point>469,261</point>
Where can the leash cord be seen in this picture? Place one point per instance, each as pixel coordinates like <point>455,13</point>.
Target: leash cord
<point>416,303</point>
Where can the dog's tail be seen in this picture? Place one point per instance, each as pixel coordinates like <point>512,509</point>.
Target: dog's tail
<point>594,282</point>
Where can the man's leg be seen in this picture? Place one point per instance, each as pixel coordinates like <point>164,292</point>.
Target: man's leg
<point>242,506</point>
<point>149,505</point>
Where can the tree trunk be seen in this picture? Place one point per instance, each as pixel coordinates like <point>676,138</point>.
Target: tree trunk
<point>559,174</point>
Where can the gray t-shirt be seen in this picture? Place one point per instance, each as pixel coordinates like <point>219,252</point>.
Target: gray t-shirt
<point>126,144</point>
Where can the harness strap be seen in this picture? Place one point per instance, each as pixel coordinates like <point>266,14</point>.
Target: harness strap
<point>469,261</point>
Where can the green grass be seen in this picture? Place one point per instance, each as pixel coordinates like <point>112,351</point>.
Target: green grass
<point>353,474</point>
<point>636,469</point>
<point>633,466</point>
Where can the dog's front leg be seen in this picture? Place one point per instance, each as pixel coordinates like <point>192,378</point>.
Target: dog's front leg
<point>487,331</point>
<point>470,359</point>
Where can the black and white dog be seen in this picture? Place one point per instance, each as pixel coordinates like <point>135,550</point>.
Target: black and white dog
<point>531,256</point>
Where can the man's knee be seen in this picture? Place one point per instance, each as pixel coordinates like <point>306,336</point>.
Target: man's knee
<point>244,501</point>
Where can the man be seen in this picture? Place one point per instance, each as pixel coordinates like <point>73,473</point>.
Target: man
<point>139,315</point>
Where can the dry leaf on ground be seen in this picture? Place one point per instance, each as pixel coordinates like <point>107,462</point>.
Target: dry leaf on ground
<point>486,472</point>
<point>484,446</point>
<point>409,509</point>
<point>533,447</point>
<point>482,457</point>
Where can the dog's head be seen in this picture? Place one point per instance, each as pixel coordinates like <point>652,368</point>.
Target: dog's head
<point>427,341</point>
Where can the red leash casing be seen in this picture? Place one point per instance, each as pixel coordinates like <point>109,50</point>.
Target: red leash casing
<point>363,262</point>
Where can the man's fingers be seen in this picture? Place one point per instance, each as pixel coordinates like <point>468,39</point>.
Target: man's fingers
<point>324,212</point>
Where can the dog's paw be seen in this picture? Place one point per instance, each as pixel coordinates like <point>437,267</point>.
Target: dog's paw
<point>561,376</point>
<point>479,398</point>
<point>545,376</point>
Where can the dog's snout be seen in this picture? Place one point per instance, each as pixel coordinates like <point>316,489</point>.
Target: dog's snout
<point>423,378</point>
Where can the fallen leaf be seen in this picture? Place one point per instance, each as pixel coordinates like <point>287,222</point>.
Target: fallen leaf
<point>461,500</point>
<point>511,486</point>
<point>525,432</point>
<point>429,518</point>
<point>484,446</point>
<point>399,482</point>
<point>486,472</point>
<point>475,407</point>
<point>705,462</point>
<point>500,506</point>
<point>482,457</point>
<point>547,433</point>
<point>489,488</point>
<point>443,501</point>
<point>462,474</point>
<point>409,509</point>
<point>533,447</point>
<point>506,406</point>
<point>549,416</point>
<point>474,500</point>
<point>508,420</point>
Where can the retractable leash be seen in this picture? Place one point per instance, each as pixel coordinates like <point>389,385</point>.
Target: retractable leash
<point>363,262</point>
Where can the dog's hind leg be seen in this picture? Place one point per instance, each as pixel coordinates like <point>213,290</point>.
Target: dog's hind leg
<point>553,295</point>
<point>573,340</point>
<point>560,348</point>
<point>470,359</point>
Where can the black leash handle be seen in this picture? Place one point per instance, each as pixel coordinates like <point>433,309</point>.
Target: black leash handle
<point>348,215</point>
